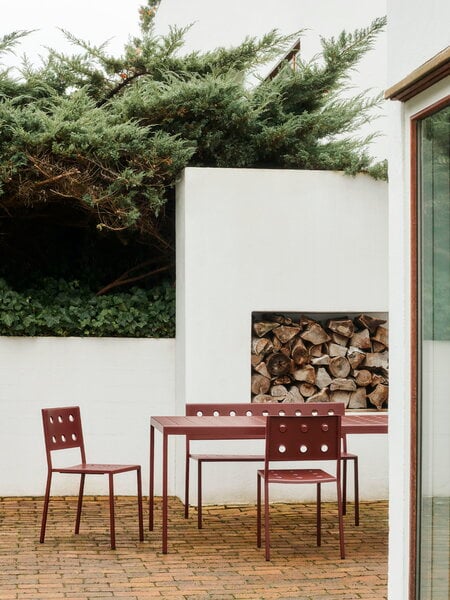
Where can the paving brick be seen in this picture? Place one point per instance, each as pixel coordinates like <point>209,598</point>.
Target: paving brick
<point>219,562</point>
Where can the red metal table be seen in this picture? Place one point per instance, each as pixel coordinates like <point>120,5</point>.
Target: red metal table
<point>210,428</point>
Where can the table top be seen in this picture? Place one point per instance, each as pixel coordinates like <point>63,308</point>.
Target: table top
<point>254,426</point>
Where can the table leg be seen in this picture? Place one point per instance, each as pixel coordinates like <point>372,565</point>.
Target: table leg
<point>151,493</point>
<point>164,492</point>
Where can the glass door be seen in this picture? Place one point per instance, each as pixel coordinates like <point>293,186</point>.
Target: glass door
<point>433,415</point>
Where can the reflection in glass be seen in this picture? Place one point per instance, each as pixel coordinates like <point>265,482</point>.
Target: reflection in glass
<point>434,351</point>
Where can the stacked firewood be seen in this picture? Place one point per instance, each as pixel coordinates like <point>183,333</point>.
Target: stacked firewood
<point>333,360</point>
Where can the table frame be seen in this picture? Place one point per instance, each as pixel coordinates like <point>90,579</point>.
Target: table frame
<point>235,427</point>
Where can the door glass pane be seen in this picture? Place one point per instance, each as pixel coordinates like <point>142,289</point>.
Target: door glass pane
<point>434,346</point>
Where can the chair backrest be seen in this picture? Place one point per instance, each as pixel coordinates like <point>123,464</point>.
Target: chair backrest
<point>303,438</point>
<point>265,409</point>
<point>62,430</point>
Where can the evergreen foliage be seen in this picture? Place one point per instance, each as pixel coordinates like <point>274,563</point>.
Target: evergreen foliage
<point>95,143</point>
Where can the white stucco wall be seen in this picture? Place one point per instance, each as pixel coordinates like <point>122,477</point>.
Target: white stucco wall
<point>417,31</point>
<point>229,23</point>
<point>118,384</point>
<point>264,240</point>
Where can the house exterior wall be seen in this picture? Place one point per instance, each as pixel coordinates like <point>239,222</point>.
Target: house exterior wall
<point>229,23</point>
<point>417,31</point>
<point>118,384</point>
<point>271,240</point>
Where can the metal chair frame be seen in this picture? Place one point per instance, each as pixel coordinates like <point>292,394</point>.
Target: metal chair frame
<point>249,409</point>
<point>310,438</point>
<point>62,431</point>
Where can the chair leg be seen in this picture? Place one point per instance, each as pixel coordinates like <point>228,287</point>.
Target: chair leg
<point>344,486</point>
<point>266,518</point>
<point>186,486</point>
<point>258,510</point>
<point>356,475</point>
<point>45,509</point>
<point>341,519</point>
<point>80,503</point>
<point>111,512</point>
<point>199,495</point>
<point>319,516</point>
<point>139,499</point>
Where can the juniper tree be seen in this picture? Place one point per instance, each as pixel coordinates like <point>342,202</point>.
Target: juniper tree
<point>96,142</point>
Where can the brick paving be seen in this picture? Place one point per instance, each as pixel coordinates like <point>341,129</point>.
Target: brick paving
<point>219,562</point>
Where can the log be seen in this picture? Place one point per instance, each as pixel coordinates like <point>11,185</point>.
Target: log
<point>279,391</point>
<point>278,364</point>
<point>376,360</point>
<point>377,378</point>
<point>344,327</point>
<point>321,396</point>
<point>283,380</point>
<point>363,378</point>
<point>286,333</point>
<point>347,385</point>
<point>307,389</point>
<point>260,384</point>
<point>263,399</point>
<point>339,366</point>
<point>339,339</point>
<point>261,345</point>
<point>323,378</point>
<point>340,396</point>
<point>262,369</point>
<point>300,354</point>
<point>316,351</point>
<point>379,395</point>
<point>361,339</point>
<point>381,336</point>
<point>355,357</point>
<point>370,323</point>
<point>263,327</point>
<point>321,360</point>
<point>358,399</point>
<point>295,394</point>
<point>336,349</point>
<point>256,359</point>
<point>378,346</point>
<point>307,373</point>
<point>315,334</point>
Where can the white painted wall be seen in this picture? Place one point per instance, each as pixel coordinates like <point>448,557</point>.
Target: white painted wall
<point>271,240</point>
<point>228,23</point>
<point>118,383</point>
<point>417,31</point>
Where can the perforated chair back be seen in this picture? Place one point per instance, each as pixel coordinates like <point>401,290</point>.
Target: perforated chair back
<point>303,438</point>
<point>62,430</point>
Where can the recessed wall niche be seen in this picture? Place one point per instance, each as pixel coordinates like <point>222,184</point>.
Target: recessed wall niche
<point>321,357</point>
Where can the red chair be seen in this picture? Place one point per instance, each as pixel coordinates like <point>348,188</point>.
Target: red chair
<point>249,409</point>
<point>311,438</point>
<point>63,430</point>
<point>346,457</point>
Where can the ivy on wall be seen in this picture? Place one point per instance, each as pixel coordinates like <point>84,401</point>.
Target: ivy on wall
<point>61,308</point>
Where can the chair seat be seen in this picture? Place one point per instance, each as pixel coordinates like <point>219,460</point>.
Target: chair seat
<point>93,468</point>
<point>227,457</point>
<point>297,475</point>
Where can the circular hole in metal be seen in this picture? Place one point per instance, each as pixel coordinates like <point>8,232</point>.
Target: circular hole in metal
<point>281,413</point>
<point>304,427</point>
<point>53,439</point>
<point>63,438</point>
<point>265,413</point>
<point>232,413</point>
<point>216,413</point>
<point>325,427</point>
<point>324,448</point>
<point>281,449</point>
<point>283,427</point>
<point>298,413</point>
<point>303,448</point>
<point>331,412</point>
<point>60,419</point>
<point>74,437</point>
<point>51,419</point>
<point>249,413</point>
<point>315,413</point>
<point>199,413</point>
